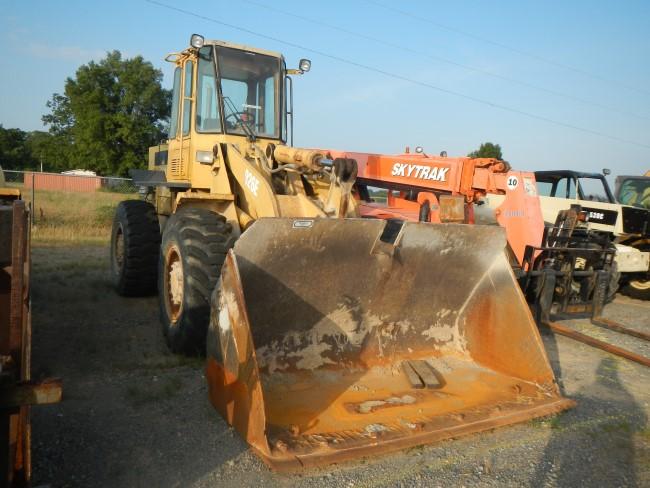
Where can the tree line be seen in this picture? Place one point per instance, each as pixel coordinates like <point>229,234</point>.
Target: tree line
<point>105,120</point>
<point>108,116</point>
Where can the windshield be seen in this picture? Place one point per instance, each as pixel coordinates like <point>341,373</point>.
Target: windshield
<point>593,189</point>
<point>250,88</point>
<point>635,192</point>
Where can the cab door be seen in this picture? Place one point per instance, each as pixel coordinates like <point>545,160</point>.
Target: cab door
<point>180,123</point>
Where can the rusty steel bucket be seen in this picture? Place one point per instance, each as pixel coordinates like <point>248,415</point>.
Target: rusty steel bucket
<point>332,339</point>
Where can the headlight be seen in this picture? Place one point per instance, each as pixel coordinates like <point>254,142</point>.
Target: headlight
<point>197,41</point>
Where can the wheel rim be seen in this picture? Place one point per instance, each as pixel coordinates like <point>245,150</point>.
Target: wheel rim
<point>640,284</point>
<point>173,283</point>
<point>118,251</point>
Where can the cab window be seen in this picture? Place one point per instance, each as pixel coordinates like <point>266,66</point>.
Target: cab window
<point>635,192</point>
<point>593,189</point>
<point>565,188</point>
<point>187,96</point>
<point>207,108</point>
<point>544,188</point>
<point>176,98</point>
<point>250,84</point>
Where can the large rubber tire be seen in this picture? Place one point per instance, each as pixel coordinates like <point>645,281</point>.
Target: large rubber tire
<point>135,247</point>
<point>639,289</point>
<point>194,246</point>
<point>639,286</point>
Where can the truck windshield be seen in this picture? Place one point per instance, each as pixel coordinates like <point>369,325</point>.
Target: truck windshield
<point>250,85</point>
<point>635,192</point>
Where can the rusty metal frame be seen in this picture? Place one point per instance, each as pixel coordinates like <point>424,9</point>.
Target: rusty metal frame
<point>17,390</point>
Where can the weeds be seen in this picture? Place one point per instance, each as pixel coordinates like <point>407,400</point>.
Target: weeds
<point>74,217</point>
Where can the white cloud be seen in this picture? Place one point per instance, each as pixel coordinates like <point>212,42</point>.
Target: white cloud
<point>22,40</point>
<point>62,53</point>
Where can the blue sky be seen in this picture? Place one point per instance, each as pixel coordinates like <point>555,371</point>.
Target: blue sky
<point>346,107</point>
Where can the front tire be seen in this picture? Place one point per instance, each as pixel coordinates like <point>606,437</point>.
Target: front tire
<point>135,246</point>
<point>194,246</point>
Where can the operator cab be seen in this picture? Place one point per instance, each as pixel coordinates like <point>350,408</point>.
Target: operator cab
<point>238,91</point>
<point>633,191</point>
<point>574,185</point>
<point>249,87</point>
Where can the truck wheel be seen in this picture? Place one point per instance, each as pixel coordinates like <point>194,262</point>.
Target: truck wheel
<point>135,246</point>
<point>639,289</point>
<point>194,245</point>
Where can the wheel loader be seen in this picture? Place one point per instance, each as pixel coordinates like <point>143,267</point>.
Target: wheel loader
<point>327,336</point>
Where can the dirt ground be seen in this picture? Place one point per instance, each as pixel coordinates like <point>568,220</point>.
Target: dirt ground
<point>135,415</point>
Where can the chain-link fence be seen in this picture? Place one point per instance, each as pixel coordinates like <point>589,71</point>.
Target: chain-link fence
<point>71,207</point>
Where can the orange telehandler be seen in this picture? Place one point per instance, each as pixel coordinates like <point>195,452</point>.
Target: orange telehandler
<point>564,269</point>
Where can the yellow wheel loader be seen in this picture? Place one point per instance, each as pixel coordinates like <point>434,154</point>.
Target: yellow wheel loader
<point>327,336</point>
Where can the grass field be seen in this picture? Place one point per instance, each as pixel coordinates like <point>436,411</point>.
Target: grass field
<point>73,217</point>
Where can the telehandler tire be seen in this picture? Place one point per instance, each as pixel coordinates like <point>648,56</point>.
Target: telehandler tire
<point>194,246</point>
<point>639,289</point>
<point>135,247</point>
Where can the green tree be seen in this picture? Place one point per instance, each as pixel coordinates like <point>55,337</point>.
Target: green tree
<point>47,150</point>
<point>109,114</point>
<point>487,150</point>
<point>14,152</point>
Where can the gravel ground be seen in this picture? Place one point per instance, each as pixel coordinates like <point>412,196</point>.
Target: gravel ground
<point>135,415</point>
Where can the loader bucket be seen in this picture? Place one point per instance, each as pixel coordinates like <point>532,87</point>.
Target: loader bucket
<point>332,339</point>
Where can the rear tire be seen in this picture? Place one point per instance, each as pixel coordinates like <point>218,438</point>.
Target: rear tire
<point>194,246</point>
<point>639,289</point>
<point>135,246</point>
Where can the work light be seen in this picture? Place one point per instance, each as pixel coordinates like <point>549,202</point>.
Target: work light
<point>197,41</point>
<point>304,65</point>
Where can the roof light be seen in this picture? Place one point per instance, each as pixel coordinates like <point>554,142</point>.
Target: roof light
<point>197,41</point>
